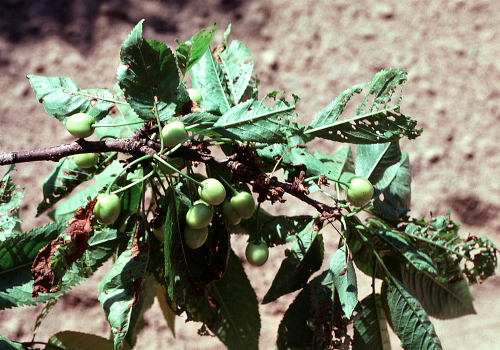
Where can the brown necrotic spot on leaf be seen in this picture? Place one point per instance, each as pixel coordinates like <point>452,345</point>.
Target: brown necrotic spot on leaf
<point>93,102</point>
<point>79,231</point>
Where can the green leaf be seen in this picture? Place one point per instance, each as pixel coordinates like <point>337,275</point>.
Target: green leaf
<point>370,329</point>
<point>293,157</point>
<point>340,162</point>
<point>61,98</point>
<point>191,51</point>
<point>305,258</point>
<point>118,294</point>
<point>10,201</point>
<point>313,315</point>
<point>380,123</point>
<point>234,320</point>
<point>276,230</point>
<point>343,276</point>
<point>400,247</point>
<point>125,115</point>
<point>396,187</point>
<point>71,340</point>
<point>293,332</point>
<point>440,300</point>
<point>61,181</point>
<point>207,77</point>
<point>148,75</point>
<point>6,344</point>
<point>67,209</point>
<point>411,323</point>
<point>238,72</point>
<point>373,160</point>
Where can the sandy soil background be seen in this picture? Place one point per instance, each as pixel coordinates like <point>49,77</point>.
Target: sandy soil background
<point>314,49</point>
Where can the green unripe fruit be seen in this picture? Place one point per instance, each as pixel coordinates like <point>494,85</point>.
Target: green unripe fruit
<point>257,253</point>
<point>173,133</point>
<point>159,233</point>
<point>198,216</point>
<point>195,238</point>
<point>229,214</point>
<point>243,204</point>
<point>360,191</point>
<point>80,125</point>
<point>107,208</point>
<point>86,160</point>
<point>212,191</point>
<point>194,95</point>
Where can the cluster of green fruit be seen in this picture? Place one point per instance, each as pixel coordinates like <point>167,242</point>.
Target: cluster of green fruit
<point>212,192</point>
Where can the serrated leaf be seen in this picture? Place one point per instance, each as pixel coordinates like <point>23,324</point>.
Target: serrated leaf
<point>276,230</point>
<point>399,246</point>
<point>305,258</point>
<point>396,187</point>
<point>313,315</point>
<point>440,300</point>
<point>43,314</point>
<point>71,340</point>
<point>380,123</point>
<point>293,332</point>
<point>118,295</point>
<point>191,51</point>
<point>207,77</point>
<point>250,121</point>
<point>343,276</point>
<point>373,160</point>
<point>237,70</point>
<point>61,97</point>
<point>341,161</point>
<point>293,157</point>
<point>148,75</point>
<point>370,329</point>
<point>10,201</point>
<point>235,321</point>
<point>411,323</point>
<point>142,303</point>
<point>17,255</point>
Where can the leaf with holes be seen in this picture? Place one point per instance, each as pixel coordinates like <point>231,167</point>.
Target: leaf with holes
<point>148,76</point>
<point>381,123</point>
<point>191,51</point>
<point>61,98</point>
<point>10,201</point>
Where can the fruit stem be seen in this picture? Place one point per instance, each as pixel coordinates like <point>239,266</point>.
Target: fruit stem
<point>133,183</point>
<point>180,172</point>
<point>113,125</point>
<point>108,190</point>
<point>257,240</point>
<point>227,183</point>
<point>312,178</point>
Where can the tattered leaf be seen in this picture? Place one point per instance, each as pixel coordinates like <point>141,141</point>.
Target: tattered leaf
<point>10,201</point>
<point>191,51</point>
<point>343,276</point>
<point>119,295</point>
<point>61,98</point>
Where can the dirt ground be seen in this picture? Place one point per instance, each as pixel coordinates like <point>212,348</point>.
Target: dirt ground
<point>314,49</point>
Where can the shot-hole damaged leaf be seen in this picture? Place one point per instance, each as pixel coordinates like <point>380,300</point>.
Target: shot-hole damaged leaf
<point>61,97</point>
